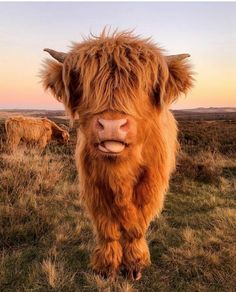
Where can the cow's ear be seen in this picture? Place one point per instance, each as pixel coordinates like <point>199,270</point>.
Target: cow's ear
<point>52,78</point>
<point>180,78</point>
<point>62,80</point>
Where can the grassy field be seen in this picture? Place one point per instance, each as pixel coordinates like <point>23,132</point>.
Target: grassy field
<point>46,240</point>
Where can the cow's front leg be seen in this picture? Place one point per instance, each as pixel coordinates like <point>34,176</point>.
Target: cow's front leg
<point>135,249</point>
<point>107,255</point>
<point>135,257</point>
<point>133,227</point>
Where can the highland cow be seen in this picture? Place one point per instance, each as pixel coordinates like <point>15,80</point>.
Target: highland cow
<point>121,88</point>
<point>37,130</point>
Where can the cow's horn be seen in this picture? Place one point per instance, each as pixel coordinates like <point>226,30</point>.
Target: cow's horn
<point>177,57</point>
<point>59,56</point>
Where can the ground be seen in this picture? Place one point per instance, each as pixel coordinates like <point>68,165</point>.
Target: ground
<point>46,240</point>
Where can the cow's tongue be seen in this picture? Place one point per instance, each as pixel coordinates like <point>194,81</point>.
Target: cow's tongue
<point>112,146</point>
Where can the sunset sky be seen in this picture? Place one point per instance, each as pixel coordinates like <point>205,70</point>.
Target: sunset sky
<point>207,31</point>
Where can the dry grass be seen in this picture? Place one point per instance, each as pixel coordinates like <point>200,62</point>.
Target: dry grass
<point>46,240</point>
<point>202,167</point>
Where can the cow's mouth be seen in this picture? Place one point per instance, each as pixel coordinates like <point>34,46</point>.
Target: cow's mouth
<point>111,146</point>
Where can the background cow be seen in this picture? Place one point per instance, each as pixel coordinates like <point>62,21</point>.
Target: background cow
<point>39,130</point>
<point>121,87</point>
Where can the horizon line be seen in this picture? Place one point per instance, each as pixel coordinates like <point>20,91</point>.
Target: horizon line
<point>45,109</point>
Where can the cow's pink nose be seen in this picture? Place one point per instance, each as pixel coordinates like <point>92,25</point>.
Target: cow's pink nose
<point>112,129</point>
<point>112,125</point>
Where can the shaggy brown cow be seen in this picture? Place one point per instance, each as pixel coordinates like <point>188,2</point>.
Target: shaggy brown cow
<point>121,88</point>
<point>39,130</point>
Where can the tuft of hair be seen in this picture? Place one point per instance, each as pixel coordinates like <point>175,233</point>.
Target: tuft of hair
<point>112,69</point>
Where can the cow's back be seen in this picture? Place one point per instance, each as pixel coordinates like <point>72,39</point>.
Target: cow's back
<point>30,129</point>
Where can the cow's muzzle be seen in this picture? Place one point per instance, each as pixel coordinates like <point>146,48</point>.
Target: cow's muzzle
<point>112,135</point>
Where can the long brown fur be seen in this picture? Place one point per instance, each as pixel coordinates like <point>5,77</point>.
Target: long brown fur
<point>39,130</point>
<point>114,77</point>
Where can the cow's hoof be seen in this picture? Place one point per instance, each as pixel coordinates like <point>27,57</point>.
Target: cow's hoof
<point>104,275</point>
<point>133,275</point>
<point>136,275</point>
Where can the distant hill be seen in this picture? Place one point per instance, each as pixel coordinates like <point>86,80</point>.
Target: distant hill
<point>200,113</point>
<point>211,113</point>
<point>33,112</point>
<point>209,110</point>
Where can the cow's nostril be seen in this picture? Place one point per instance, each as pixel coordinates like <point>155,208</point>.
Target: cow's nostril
<point>100,125</point>
<point>124,125</point>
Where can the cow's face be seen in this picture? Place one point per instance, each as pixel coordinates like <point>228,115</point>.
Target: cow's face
<point>117,86</point>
